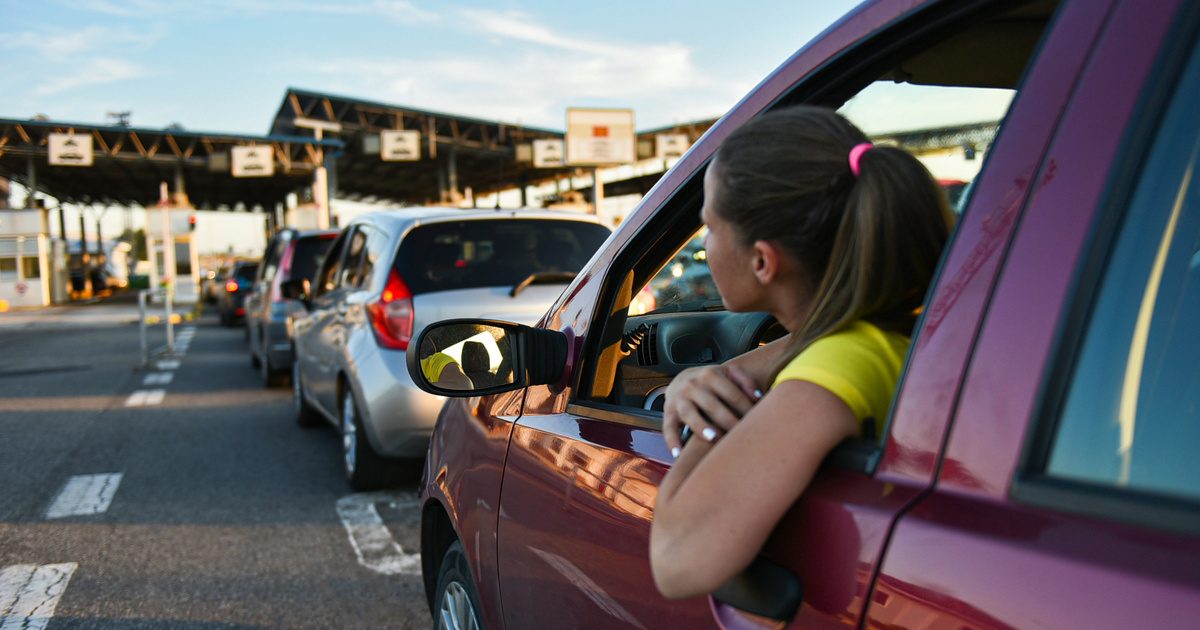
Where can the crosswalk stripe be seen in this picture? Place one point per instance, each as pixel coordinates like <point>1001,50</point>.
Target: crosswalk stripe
<point>29,594</point>
<point>372,542</point>
<point>144,397</point>
<point>158,378</point>
<point>85,494</point>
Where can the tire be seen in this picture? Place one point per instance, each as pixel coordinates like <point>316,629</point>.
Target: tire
<point>270,376</point>
<point>306,416</point>
<point>254,361</point>
<point>456,600</point>
<point>364,468</point>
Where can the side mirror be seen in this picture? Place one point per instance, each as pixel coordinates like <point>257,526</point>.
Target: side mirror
<point>474,357</point>
<point>296,289</point>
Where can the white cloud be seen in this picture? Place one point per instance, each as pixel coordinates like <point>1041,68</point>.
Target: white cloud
<point>62,44</point>
<point>535,73</point>
<point>96,71</point>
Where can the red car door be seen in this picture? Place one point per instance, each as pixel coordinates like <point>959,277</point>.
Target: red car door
<point>582,473</point>
<point>1068,494</point>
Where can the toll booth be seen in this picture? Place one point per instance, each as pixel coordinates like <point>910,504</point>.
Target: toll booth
<point>173,259</point>
<point>33,267</point>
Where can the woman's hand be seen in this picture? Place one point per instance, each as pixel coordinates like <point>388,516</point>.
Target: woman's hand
<point>709,399</point>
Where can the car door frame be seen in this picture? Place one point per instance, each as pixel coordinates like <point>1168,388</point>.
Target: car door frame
<point>906,466</point>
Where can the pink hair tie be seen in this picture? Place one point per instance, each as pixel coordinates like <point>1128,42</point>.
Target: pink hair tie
<point>856,155</point>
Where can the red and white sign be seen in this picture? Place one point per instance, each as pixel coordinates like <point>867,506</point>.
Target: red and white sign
<point>597,137</point>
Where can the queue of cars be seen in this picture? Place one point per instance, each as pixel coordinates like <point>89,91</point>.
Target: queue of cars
<point>1037,469</point>
<point>336,310</point>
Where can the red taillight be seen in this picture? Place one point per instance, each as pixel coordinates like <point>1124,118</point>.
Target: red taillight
<point>392,314</point>
<point>231,286</point>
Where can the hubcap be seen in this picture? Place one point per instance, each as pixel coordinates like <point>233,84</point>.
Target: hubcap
<point>349,433</point>
<point>455,611</point>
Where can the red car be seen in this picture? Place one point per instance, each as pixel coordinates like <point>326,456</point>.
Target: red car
<point>1038,468</point>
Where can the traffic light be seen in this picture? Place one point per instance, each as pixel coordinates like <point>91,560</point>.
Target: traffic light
<point>191,223</point>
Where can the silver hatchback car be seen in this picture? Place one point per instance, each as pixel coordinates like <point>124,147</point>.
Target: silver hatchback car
<point>391,273</point>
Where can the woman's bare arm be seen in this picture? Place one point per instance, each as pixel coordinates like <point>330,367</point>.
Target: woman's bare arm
<point>720,501</point>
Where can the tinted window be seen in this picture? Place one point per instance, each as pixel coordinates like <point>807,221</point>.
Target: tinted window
<point>245,273</point>
<point>351,275</point>
<point>1132,414</point>
<point>490,253</point>
<point>308,256</point>
<point>332,264</point>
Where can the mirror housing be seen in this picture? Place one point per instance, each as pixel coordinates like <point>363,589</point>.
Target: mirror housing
<point>297,289</point>
<point>535,356</point>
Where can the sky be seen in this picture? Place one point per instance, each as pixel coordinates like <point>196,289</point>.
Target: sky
<point>224,65</point>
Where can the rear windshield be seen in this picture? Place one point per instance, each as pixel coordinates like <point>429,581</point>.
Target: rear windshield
<point>310,253</point>
<point>245,273</point>
<point>493,252</point>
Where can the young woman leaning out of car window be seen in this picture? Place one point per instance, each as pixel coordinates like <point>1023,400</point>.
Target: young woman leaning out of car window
<point>838,239</point>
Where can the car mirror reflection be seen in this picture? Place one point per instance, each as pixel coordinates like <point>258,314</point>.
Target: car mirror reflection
<point>467,357</point>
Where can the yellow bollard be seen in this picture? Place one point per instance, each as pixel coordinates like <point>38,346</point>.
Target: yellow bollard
<point>3,306</point>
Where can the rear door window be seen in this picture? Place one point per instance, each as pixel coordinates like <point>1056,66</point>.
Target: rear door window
<point>488,253</point>
<point>308,256</point>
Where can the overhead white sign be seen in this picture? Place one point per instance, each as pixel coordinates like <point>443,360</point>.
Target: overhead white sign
<point>548,153</point>
<point>600,136</point>
<point>256,161</point>
<point>68,149</point>
<point>670,145</point>
<point>400,146</point>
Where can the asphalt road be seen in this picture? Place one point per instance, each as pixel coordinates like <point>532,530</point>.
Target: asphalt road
<point>225,513</point>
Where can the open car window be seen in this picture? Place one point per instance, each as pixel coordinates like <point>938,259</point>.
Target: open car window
<point>943,98</point>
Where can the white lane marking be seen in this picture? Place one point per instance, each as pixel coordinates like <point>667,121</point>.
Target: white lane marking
<point>589,587</point>
<point>144,397</point>
<point>85,494</point>
<point>158,378</point>
<point>29,594</point>
<point>372,542</point>
<point>168,364</point>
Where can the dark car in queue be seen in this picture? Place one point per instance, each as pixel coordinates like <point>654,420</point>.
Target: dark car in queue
<point>236,284</point>
<point>1037,468</point>
<point>291,254</point>
<point>387,276</point>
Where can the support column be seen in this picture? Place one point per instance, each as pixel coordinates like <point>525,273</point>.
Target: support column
<point>597,191</point>
<point>442,192</point>
<point>31,179</point>
<point>84,259</point>
<point>452,174</point>
<point>524,192</point>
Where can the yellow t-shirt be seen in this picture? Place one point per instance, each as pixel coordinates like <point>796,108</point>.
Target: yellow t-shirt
<point>860,365</point>
<point>433,365</point>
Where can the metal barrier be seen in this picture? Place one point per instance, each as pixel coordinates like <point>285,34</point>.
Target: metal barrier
<point>143,296</point>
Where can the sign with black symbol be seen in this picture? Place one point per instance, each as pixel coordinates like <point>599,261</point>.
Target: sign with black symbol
<point>258,161</point>
<point>399,146</point>
<point>68,149</point>
<point>548,153</point>
<point>670,145</point>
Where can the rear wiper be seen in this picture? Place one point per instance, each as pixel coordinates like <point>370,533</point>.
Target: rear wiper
<point>543,277</point>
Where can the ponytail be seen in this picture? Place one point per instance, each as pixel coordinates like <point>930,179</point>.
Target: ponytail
<point>871,240</point>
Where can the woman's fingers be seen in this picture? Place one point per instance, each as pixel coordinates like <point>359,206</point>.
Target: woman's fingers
<point>710,399</point>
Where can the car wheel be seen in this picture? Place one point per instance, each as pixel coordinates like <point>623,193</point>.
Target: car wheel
<point>254,360</point>
<point>457,600</point>
<point>365,469</point>
<point>270,376</point>
<point>306,416</point>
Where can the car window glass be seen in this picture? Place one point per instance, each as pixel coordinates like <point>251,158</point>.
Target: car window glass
<point>376,245</point>
<point>308,256</point>
<point>452,255</point>
<point>684,283</point>
<point>274,254</point>
<point>1131,417</point>
<point>333,265</point>
<point>351,273</point>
